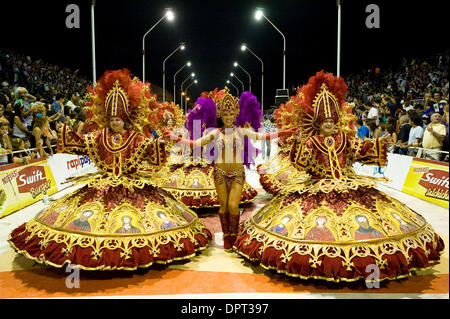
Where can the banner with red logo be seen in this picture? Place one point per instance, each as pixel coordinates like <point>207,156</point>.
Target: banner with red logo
<point>428,180</point>
<point>64,166</point>
<point>21,185</point>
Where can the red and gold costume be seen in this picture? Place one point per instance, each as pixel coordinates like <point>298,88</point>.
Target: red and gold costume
<point>278,171</point>
<point>120,219</point>
<point>338,222</point>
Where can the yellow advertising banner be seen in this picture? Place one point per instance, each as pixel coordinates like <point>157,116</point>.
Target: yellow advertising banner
<point>21,186</point>
<point>428,180</point>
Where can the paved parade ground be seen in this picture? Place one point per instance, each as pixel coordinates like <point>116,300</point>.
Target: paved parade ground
<point>213,273</point>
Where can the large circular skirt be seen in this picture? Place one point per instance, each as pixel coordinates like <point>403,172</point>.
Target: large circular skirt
<point>277,172</point>
<point>113,228</point>
<point>193,184</point>
<point>339,236</point>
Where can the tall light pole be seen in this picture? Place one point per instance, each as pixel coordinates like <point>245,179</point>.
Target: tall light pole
<point>94,73</point>
<point>192,75</point>
<point>170,16</point>
<point>339,3</point>
<point>175,75</point>
<point>235,76</point>
<point>249,76</point>
<point>237,90</point>
<point>245,47</point>
<point>258,15</point>
<point>182,46</point>
<point>186,94</point>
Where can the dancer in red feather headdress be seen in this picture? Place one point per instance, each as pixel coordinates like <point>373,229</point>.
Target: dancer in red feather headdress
<point>120,219</point>
<point>336,224</point>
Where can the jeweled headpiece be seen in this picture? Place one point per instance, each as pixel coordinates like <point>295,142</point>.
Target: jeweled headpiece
<point>325,106</point>
<point>226,103</point>
<point>323,98</point>
<point>118,94</point>
<point>116,102</point>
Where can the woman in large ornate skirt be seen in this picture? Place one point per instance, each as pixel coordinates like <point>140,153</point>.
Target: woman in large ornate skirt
<point>337,226</point>
<point>119,219</point>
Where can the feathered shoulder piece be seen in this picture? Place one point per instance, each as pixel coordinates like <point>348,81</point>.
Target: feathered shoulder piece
<point>170,112</point>
<point>116,93</point>
<point>287,115</point>
<point>204,111</point>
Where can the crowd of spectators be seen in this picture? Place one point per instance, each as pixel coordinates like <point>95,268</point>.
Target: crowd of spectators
<point>35,99</point>
<point>409,101</point>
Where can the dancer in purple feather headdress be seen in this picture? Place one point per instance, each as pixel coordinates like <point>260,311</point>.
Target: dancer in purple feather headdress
<point>190,178</point>
<point>228,147</point>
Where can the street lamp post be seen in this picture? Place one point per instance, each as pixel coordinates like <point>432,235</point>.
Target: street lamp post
<point>186,93</point>
<point>233,75</point>
<point>248,74</point>
<point>181,90</point>
<point>237,90</point>
<point>245,47</point>
<point>174,89</point>
<point>94,74</point>
<point>170,16</point>
<point>182,46</point>
<point>339,3</point>
<point>258,15</point>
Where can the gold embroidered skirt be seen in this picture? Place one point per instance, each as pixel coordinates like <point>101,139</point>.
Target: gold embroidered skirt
<point>112,228</point>
<point>335,235</point>
<point>193,184</point>
<point>277,172</point>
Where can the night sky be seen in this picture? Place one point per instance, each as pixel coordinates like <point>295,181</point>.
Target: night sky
<point>214,31</point>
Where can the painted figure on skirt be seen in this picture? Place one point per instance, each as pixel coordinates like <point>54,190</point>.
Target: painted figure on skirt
<point>361,229</point>
<point>111,223</point>
<point>320,231</point>
<point>232,122</point>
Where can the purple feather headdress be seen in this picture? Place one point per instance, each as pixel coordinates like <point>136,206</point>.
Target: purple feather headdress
<point>204,111</point>
<point>250,115</point>
<point>250,112</point>
<point>202,117</point>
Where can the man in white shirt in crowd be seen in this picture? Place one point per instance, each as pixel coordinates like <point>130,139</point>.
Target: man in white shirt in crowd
<point>72,102</point>
<point>373,111</point>
<point>269,126</point>
<point>415,135</point>
<point>433,138</point>
<point>407,107</point>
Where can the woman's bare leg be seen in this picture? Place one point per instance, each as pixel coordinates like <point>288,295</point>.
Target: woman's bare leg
<point>222,194</point>
<point>234,199</point>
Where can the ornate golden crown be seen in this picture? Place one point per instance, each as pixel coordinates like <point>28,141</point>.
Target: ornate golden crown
<point>117,102</point>
<point>226,102</point>
<point>325,105</point>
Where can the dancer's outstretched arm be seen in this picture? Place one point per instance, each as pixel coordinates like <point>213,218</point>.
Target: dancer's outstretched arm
<point>266,136</point>
<point>198,142</point>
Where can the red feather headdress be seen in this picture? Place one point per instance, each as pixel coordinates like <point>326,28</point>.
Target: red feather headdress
<point>324,97</point>
<point>118,94</point>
